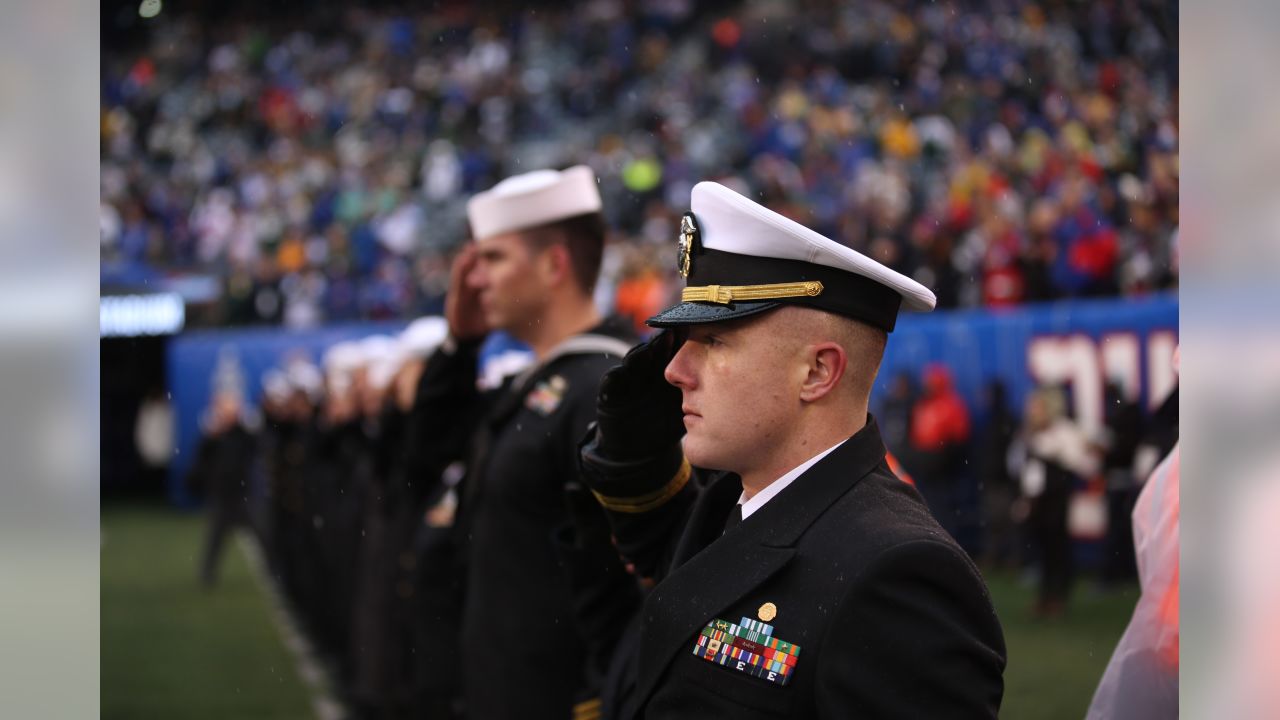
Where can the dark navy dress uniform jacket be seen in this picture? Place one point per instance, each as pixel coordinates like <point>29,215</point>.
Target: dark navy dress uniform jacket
<point>892,618</point>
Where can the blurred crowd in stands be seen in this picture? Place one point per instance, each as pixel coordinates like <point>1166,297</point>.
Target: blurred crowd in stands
<point>1000,152</point>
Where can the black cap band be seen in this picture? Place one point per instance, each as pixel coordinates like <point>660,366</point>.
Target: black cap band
<point>843,293</point>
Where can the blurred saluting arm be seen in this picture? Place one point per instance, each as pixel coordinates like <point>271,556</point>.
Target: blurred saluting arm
<point>447,408</point>
<point>448,405</point>
<point>632,460</point>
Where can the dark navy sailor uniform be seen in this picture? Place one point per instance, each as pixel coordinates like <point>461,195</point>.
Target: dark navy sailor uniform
<point>841,597</point>
<point>522,653</point>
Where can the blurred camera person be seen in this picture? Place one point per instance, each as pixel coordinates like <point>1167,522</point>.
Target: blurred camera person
<point>221,475</point>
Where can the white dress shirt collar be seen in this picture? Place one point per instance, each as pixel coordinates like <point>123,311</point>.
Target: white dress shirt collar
<point>758,500</point>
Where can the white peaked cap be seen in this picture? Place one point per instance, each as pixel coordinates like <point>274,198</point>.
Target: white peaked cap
<point>422,336</point>
<point>532,199</point>
<point>740,258</point>
<point>733,223</point>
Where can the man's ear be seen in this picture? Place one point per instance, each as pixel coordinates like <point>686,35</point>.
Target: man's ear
<point>827,364</point>
<point>555,264</point>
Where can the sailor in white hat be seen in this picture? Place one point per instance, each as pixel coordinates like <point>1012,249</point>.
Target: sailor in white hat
<point>529,270</point>
<point>341,361</point>
<point>421,337</point>
<point>276,389</point>
<point>797,576</point>
<point>534,260</point>
<point>417,342</point>
<point>305,378</point>
<point>381,358</point>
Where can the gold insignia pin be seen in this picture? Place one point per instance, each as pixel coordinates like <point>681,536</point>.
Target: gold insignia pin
<point>688,231</point>
<point>768,611</point>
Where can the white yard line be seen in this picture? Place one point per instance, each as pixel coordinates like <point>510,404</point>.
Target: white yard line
<point>312,673</point>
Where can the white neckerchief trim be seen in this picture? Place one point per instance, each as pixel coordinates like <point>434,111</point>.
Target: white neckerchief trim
<point>758,500</point>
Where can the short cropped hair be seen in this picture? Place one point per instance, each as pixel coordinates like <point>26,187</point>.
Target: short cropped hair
<point>864,344</point>
<point>583,236</point>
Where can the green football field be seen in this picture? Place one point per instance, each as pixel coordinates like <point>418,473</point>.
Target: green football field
<point>1055,665</point>
<point>171,650</point>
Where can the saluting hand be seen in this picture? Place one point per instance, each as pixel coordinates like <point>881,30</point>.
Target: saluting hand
<point>637,410</point>
<point>462,304</point>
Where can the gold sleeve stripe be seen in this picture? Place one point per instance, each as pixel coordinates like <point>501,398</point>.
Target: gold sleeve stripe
<point>587,710</point>
<point>724,294</point>
<point>649,501</point>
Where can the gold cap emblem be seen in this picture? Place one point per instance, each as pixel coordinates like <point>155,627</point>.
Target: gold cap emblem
<point>688,236</point>
<point>768,611</point>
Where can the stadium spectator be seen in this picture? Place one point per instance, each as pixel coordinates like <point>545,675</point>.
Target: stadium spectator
<point>997,485</point>
<point>1123,433</point>
<point>1056,457</point>
<point>940,432</point>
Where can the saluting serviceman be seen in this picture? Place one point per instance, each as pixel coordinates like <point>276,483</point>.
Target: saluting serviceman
<point>800,577</point>
<point>530,270</point>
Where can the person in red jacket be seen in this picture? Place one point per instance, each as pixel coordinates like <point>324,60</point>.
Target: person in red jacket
<point>940,441</point>
<point>940,417</point>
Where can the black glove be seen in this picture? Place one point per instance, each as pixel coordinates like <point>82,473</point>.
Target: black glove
<point>637,410</point>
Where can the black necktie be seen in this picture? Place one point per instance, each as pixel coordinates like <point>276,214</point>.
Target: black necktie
<point>735,517</point>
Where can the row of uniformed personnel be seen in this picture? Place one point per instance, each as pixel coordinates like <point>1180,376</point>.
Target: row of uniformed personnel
<point>357,540</point>
<point>703,526</point>
<point>441,597</point>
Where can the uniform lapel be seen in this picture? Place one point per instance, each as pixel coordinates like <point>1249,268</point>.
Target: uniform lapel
<point>712,572</point>
<point>707,520</point>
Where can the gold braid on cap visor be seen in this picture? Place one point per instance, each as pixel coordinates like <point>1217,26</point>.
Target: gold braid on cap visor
<point>725,294</point>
